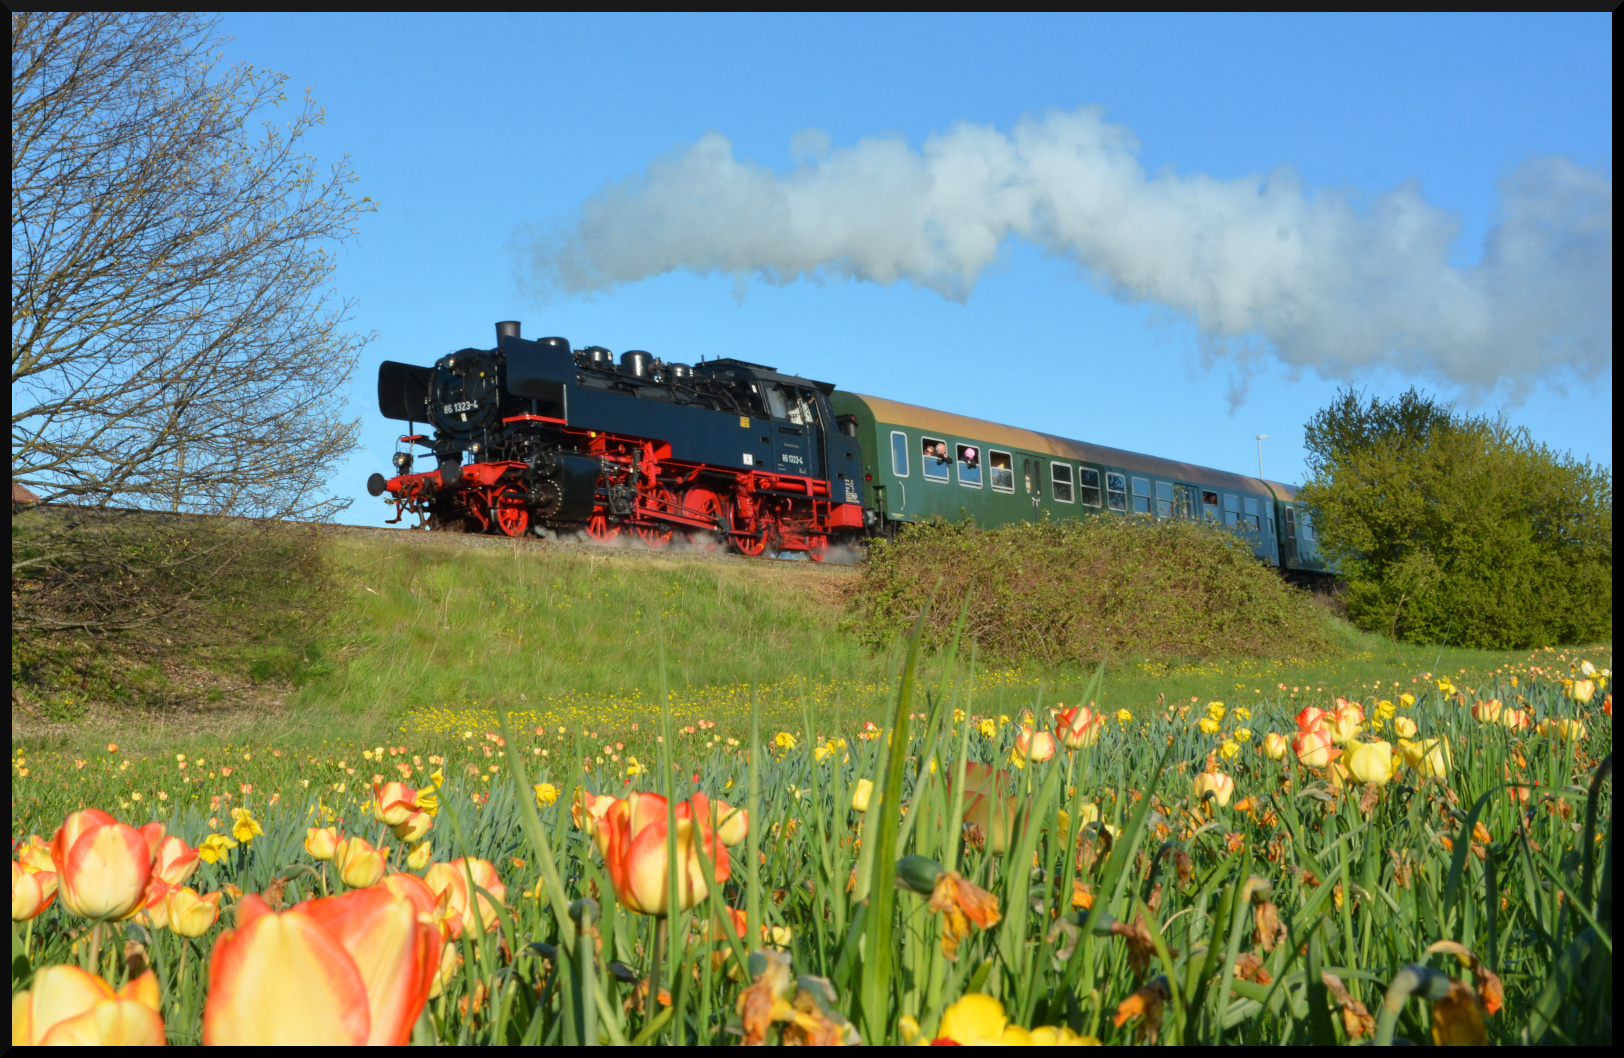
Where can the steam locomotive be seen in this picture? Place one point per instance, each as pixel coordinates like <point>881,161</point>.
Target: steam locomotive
<point>535,436</point>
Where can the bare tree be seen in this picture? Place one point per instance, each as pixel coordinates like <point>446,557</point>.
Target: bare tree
<point>175,345</point>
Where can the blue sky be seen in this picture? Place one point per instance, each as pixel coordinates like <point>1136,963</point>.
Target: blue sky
<point>465,130</point>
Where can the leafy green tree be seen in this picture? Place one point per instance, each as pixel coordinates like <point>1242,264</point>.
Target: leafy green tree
<point>1457,528</point>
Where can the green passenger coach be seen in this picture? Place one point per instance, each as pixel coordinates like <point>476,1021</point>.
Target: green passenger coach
<point>919,463</point>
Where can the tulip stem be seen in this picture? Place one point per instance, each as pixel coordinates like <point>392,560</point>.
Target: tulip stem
<point>652,1006</point>
<point>95,948</point>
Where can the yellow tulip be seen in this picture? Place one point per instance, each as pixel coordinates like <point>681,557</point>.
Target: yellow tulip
<point>393,803</point>
<point>1037,745</point>
<point>732,824</point>
<point>1275,745</point>
<point>320,842</point>
<point>1487,712</point>
<point>412,829</point>
<point>1370,762</point>
<point>974,1018</point>
<point>359,864</point>
<point>1563,728</point>
<point>1344,727</point>
<point>1582,691</point>
<point>1315,748</point>
<point>67,1006</point>
<point>449,881</point>
<point>1404,727</point>
<point>192,915</point>
<point>1430,756</point>
<point>419,857</point>
<point>32,891</point>
<point>861,794</point>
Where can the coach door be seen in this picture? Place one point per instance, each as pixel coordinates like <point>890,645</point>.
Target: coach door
<point>795,431</point>
<point>1032,473</point>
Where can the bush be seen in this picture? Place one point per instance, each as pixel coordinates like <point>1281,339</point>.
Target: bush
<point>1084,590</point>
<point>1460,529</point>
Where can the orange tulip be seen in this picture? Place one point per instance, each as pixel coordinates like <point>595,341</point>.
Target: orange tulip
<point>633,836</point>
<point>192,915</point>
<point>588,809</point>
<point>102,866</point>
<point>1037,746</point>
<point>31,891</point>
<point>393,803</point>
<point>1078,726</point>
<point>1315,749</point>
<point>449,881</point>
<point>432,907</point>
<point>1312,718</point>
<point>397,953</point>
<point>175,861</point>
<point>359,864</point>
<point>69,1006</point>
<point>36,854</point>
<point>281,979</point>
<point>321,842</point>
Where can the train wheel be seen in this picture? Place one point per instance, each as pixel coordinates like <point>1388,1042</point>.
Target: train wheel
<point>755,546</point>
<point>817,548</point>
<point>599,529</point>
<point>512,517</point>
<point>704,503</point>
<point>658,538</point>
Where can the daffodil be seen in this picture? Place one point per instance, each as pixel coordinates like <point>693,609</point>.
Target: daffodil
<point>213,848</point>
<point>246,827</point>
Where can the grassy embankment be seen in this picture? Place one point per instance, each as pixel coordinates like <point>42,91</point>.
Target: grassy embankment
<point>427,634</point>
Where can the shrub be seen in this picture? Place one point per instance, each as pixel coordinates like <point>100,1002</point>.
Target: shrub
<point>1460,529</point>
<point>1087,590</point>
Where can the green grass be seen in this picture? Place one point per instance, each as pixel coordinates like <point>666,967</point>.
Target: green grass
<point>428,634</point>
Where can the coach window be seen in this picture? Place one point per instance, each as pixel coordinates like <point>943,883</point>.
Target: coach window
<point>934,458</point>
<point>1291,525</point>
<point>969,466</point>
<point>899,453</point>
<point>1251,514</point>
<point>1164,499</point>
<point>1141,495</point>
<point>1209,505</point>
<point>1088,486</point>
<point>1232,510</point>
<point>1060,474</point>
<point>1116,491</point>
<point>1003,471</point>
<point>1307,526</point>
<point>1184,502</point>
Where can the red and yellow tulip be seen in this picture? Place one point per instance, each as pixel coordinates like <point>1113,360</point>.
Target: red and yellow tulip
<point>393,803</point>
<point>1034,745</point>
<point>449,882</point>
<point>68,1006</point>
<point>102,866</point>
<point>633,835</point>
<point>359,864</point>
<point>191,914</point>
<point>1315,749</point>
<point>31,891</point>
<point>1078,726</point>
<point>1214,784</point>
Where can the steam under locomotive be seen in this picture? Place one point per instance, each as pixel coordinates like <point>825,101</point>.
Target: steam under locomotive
<point>534,436</point>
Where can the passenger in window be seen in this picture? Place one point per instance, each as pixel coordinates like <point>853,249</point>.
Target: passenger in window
<point>969,457</point>
<point>938,450</point>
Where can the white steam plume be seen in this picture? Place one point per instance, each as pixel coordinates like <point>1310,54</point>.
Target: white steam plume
<point>1323,282</point>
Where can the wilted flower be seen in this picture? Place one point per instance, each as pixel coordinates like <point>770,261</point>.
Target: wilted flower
<point>1216,785</point>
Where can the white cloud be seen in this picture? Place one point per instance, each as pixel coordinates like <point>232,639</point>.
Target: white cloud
<point>1256,262</point>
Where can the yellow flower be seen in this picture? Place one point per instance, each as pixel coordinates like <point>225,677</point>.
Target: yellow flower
<point>988,728</point>
<point>1242,713</point>
<point>246,826</point>
<point>1123,716</point>
<point>419,857</point>
<point>546,794</point>
<point>1243,734</point>
<point>1384,709</point>
<point>1370,762</point>
<point>975,1018</point>
<point>1208,725</point>
<point>861,794</point>
<point>1404,727</point>
<point>1446,688</point>
<point>1430,756</point>
<point>1229,748</point>
<point>1215,710</point>
<point>437,777</point>
<point>784,740</point>
<point>213,848</point>
<point>1406,700</point>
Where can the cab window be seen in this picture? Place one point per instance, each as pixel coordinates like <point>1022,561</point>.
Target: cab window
<point>1116,491</point>
<point>969,465</point>
<point>1164,499</point>
<point>934,458</point>
<point>1060,474</point>
<point>899,453</point>
<point>1209,505</point>
<point>1003,471</point>
<point>776,404</point>
<point>1141,495</point>
<point>1088,486</point>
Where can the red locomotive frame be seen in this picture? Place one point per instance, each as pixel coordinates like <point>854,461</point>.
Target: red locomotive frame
<point>643,491</point>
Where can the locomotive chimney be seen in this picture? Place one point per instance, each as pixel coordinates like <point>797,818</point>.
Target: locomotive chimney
<point>506,329</point>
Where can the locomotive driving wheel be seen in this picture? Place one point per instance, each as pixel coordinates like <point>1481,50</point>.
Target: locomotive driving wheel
<point>658,537</point>
<point>512,516</point>
<point>817,548</point>
<point>703,503</point>
<point>599,529</point>
<point>757,544</point>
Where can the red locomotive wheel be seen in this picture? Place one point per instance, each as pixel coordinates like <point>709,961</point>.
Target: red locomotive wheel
<point>658,538</point>
<point>512,518</point>
<point>599,529</point>
<point>703,503</point>
<point>758,545</point>
<point>817,548</point>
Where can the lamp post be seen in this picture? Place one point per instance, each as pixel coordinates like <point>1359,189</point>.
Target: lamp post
<point>1260,439</point>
